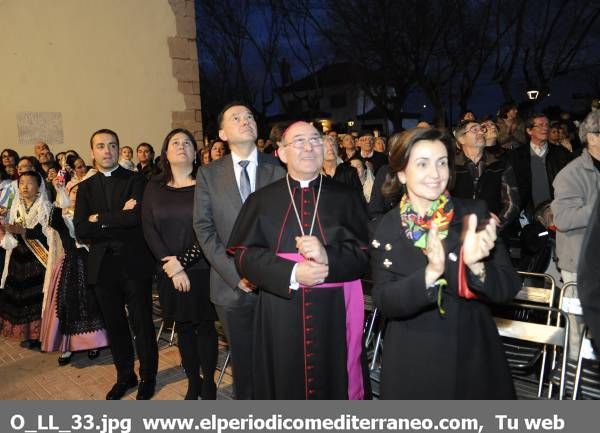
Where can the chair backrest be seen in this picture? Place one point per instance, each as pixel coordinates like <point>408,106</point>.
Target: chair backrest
<point>543,294</point>
<point>546,334</point>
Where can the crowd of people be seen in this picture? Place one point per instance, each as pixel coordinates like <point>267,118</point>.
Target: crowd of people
<point>272,237</point>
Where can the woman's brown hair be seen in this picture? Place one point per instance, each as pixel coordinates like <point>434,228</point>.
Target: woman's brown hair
<point>401,146</point>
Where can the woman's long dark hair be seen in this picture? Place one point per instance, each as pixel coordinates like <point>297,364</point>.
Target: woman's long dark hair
<point>400,154</point>
<point>12,153</point>
<point>167,173</point>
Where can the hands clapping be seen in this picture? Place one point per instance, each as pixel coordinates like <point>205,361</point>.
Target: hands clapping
<point>436,257</point>
<point>478,244</point>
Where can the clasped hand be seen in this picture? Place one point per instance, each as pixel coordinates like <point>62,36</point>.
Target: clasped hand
<point>176,273</point>
<point>315,269</point>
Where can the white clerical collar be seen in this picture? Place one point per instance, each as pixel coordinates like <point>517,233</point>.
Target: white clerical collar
<point>305,183</point>
<point>110,172</point>
<point>253,157</point>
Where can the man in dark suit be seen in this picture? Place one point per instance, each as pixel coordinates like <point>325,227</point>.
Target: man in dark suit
<point>537,165</point>
<point>368,154</point>
<point>221,188</point>
<point>107,216</point>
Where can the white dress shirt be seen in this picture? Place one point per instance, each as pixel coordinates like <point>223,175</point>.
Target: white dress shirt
<point>250,168</point>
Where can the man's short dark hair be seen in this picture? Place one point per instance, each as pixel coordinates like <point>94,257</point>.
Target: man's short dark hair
<point>531,119</point>
<point>228,106</point>
<point>104,131</point>
<point>144,144</point>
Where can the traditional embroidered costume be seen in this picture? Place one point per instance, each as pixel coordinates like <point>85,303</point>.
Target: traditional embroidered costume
<point>24,275</point>
<point>72,320</point>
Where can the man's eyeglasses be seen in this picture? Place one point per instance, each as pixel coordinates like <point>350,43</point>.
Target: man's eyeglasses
<point>300,142</point>
<point>542,126</point>
<point>477,129</point>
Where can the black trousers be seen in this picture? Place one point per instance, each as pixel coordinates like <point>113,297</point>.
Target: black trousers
<point>115,291</point>
<point>238,323</point>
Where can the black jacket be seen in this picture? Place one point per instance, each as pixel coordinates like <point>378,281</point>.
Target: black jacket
<point>378,160</point>
<point>429,356</point>
<point>115,227</point>
<point>492,180</point>
<point>520,159</point>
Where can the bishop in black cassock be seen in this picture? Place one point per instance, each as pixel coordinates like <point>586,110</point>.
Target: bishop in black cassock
<point>305,258</point>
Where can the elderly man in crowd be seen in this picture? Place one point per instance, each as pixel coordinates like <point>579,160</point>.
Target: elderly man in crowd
<point>301,242</point>
<point>575,194</point>
<point>537,165</point>
<point>479,174</point>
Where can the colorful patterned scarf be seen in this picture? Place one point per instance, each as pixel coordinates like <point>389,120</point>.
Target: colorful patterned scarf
<point>416,228</point>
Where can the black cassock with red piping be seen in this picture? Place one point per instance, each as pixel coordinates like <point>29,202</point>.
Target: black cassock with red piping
<point>307,342</point>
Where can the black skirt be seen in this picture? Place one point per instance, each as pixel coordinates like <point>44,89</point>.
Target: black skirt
<point>21,299</point>
<point>77,308</point>
<point>193,306</point>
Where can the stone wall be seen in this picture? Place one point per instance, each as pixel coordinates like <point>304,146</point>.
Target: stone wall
<point>184,55</point>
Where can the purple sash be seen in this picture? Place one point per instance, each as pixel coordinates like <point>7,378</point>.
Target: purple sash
<point>355,317</point>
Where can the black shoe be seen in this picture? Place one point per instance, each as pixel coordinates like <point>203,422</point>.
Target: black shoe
<point>145,389</point>
<point>94,353</point>
<point>193,391</point>
<point>120,388</point>
<point>31,344</point>
<point>209,390</point>
<point>65,358</point>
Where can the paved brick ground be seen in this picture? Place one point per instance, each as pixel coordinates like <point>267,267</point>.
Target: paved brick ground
<point>32,375</point>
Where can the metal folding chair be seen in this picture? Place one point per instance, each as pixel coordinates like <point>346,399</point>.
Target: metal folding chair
<point>171,339</point>
<point>552,335</point>
<point>524,356</point>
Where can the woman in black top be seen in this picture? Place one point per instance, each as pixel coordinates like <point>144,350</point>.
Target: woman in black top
<point>434,277</point>
<point>183,279</point>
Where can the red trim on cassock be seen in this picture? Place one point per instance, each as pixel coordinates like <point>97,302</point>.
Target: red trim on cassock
<point>319,220</point>
<point>231,250</point>
<point>285,218</point>
<point>304,347</point>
